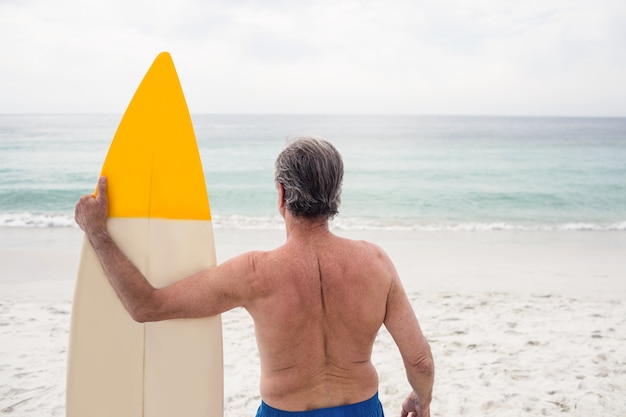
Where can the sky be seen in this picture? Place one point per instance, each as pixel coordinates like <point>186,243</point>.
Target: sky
<point>427,57</point>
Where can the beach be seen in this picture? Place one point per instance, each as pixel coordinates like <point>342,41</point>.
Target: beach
<point>520,322</point>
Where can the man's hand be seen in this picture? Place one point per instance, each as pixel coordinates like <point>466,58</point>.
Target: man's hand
<point>92,212</point>
<point>412,407</point>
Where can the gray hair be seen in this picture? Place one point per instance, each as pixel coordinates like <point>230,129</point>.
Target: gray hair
<point>311,172</point>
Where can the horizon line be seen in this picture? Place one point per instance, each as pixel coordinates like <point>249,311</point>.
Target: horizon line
<point>346,114</point>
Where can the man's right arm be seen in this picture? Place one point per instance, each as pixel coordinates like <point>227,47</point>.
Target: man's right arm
<point>403,326</point>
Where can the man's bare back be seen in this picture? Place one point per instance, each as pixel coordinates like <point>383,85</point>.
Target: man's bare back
<point>329,296</point>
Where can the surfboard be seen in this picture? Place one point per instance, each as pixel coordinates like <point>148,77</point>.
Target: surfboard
<point>159,215</point>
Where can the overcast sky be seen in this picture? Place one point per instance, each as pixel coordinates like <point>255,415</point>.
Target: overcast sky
<point>468,57</point>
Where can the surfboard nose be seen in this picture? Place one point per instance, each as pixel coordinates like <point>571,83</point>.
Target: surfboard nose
<point>153,165</point>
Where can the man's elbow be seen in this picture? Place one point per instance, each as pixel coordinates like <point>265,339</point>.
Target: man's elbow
<point>425,366</point>
<point>422,363</point>
<point>140,315</point>
<point>145,311</point>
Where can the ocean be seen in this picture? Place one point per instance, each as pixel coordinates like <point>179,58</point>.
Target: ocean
<point>402,172</point>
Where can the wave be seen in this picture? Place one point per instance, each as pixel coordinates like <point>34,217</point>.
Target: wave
<point>361,224</point>
<point>51,220</point>
<point>41,220</point>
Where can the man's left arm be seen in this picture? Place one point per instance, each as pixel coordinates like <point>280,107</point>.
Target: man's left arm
<point>206,293</point>
<point>131,286</point>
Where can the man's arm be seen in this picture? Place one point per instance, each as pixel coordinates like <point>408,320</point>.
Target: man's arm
<point>132,288</point>
<point>403,326</point>
<point>205,293</point>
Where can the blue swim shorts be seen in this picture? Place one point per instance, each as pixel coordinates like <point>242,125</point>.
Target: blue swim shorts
<point>367,408</point>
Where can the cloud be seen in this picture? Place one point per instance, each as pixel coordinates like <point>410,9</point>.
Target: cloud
<point>548,57</point>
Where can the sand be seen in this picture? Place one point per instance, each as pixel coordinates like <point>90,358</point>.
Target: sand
<point>519,322</point>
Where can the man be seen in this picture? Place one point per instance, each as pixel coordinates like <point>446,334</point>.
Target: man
<point>317,301</point>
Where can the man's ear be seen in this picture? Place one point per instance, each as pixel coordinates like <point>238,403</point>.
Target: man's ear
<point>281,195</point>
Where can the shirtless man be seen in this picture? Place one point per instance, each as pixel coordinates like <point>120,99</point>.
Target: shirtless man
<point>317,301</point>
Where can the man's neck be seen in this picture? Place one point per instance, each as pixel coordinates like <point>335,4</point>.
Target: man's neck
<point>307,228</point>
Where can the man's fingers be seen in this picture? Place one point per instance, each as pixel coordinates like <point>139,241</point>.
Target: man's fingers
<point>102,189</point>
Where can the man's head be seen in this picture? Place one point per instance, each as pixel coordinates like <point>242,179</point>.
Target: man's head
<point>311,173</point>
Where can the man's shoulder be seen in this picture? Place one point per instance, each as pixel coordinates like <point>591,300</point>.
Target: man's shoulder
<point>366,246</point>
<point>266,262</point>
<point>360,253</point>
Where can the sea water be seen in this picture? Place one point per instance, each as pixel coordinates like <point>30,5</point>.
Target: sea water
<point>401,172</point>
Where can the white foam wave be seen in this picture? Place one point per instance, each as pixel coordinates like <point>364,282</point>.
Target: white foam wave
<point>37,220</point>
<point>236,221</point>
<point>360,224</point>
<point>44,220</point>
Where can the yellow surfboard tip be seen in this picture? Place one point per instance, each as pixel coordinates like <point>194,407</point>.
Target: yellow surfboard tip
<point>153,166</point>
